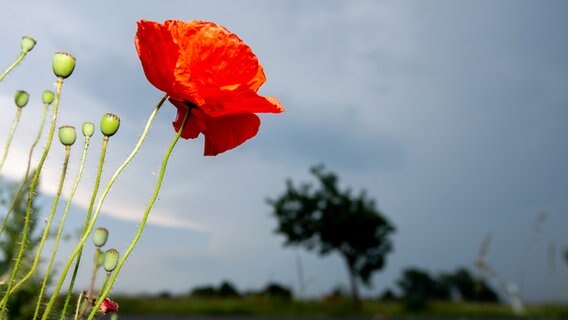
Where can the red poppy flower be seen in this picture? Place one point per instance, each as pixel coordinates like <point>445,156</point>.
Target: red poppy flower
<point>108,307</point>
<point>210,72</point>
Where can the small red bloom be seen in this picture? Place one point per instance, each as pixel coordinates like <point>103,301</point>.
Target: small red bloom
<point>210,72</point>
<point>108,306</point>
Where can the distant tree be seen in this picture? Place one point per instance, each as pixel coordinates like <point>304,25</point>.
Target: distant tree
<point>204,292</point>
<point>276,290</point>
<point>21,304</point>
<point>164,295</point>
<point>228,290</point>
<point>388,295</point>
<point>468,287</point>
<point>225,290</point>
<point>418,287</point>
<point>337,292</point>
<point>328,219</point>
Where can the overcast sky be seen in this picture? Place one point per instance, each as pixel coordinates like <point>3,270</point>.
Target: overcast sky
<point>451,114</point>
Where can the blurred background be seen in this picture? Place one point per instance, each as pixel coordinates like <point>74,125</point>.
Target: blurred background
<point>450,114</point>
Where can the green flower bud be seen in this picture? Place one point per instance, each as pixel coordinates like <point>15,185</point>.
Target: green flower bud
<point>88,129</point>
<point>111,260</point>
<point>109,124</point>
<point>67,135</point>
<point>63,64</point>
<point>47,97</point>
<point>27,43</point>
<point>21,98</point>
<point>99,258</point>
<point>100,236</point>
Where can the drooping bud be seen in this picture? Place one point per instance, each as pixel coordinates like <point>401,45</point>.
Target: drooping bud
<point>63,64</point>
<point>21,98</point>
<point>109,124</point>
<point>47,96</point>
<point>111,260</point>
<point>100,236</point>
<point>67,135</point>
<point>88,129</point>
<point>27,44</point>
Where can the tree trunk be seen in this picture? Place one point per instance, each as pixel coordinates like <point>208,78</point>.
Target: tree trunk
<point>353,283</point>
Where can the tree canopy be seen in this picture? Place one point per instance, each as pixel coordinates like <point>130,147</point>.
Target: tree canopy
<point>328,219</point>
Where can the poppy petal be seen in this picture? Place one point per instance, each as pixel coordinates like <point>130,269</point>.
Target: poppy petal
<point>228,132</point>
<point>240,101</point>
<point>196,123</point>
<point>158,54</point>
<point>211,56</point>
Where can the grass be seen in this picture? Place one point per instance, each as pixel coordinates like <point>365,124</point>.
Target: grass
<point>263,306</point>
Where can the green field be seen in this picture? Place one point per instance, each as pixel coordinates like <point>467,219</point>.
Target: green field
<point>260,306</point>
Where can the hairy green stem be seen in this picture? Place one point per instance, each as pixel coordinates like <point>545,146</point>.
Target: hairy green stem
<point>78,306</point>
<point>60,229</point>
<point>31,195</point>
<point>105,283</point>
<point>48,221</point>
<point>99,205</point>
<point>25,180</point>
<point>10,136</point>
<point>94,274</point>
<point>13,65</point>
<point>105,291</point>
<point>85,224</point>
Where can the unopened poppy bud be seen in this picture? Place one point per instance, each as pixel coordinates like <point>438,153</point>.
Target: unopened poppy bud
<point>27,43</point>
<point>100,258</point>
<point>67,135</point>
<point>63,64</point>
<point>100,236</point>
<point>47,96</point>
<point>109,124</point>
<point>21,98</point>
<point>88,129</point>
<point>111,260</point>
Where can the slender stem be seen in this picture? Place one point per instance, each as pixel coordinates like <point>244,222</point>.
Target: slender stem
<point>24,181</point>
<point>60,229</point>
<point>10,136</point>
<point>13,65</point>
<point>85,224</point>
<point>86,310</point>
<point>99,205</point>
<point>105,284</point>
<point>31,196</point>
<point>78,306</point>
<point>49,221</point>
<point>128,251</point>
<point>94,274</point>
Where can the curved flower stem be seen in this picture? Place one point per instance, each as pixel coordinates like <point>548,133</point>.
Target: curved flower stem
<point>105,283</point>
<point>24,181</point>
<point>31,195</point>
<point>18,60</point>
<point>83,311</point>
<point>106,289</point>
<point>10,136</point>
<point>60,229</point>
<point>48,222</point>
<point>99,205</point>
<point>78,307</point>
<point>98,252</point>
<point>86,223</point>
